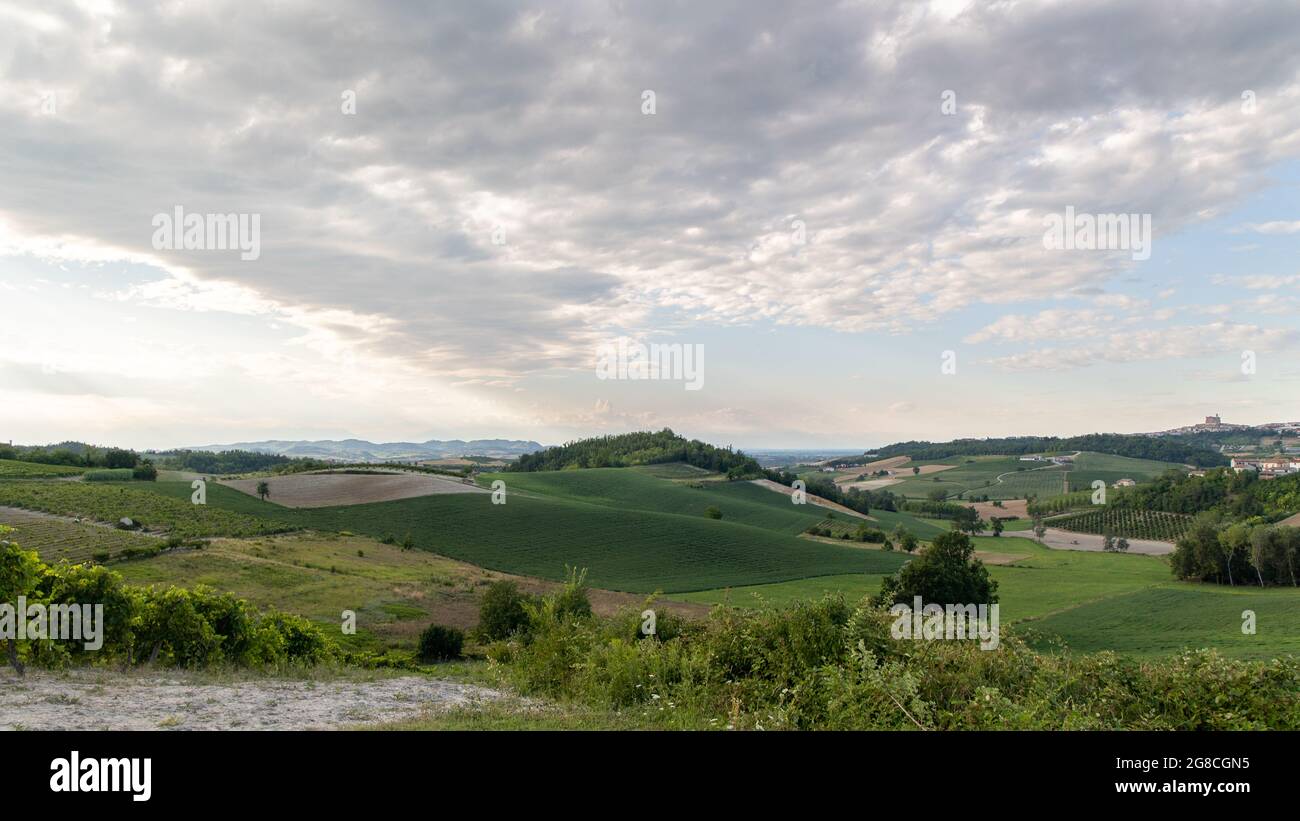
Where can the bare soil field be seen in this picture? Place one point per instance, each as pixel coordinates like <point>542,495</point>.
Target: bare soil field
<point>331,489</point>
<point>817,500</point>
<point>1291,521</point>
<point>1010,507</point>
<point>1065,540</point>
<point>173,700</point>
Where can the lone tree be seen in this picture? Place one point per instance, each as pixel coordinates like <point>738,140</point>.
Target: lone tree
<point>263,490</point>
<point>915,471</point>
<point>946,572</point>
<point>1040,529</point>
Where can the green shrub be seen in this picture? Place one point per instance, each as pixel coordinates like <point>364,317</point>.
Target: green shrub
<point>713,512</point>
<point>502,611</point>
<point>441,643</point>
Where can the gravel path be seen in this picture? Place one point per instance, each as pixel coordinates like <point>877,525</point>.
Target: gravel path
<point>103,700</point>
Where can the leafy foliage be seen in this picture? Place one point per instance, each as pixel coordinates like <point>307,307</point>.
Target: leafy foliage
<point>642,448</point>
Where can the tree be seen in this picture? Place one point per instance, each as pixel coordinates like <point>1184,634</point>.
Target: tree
<point>263,490</point>
<point>946,572</point>
<point>1121,545</point>
<point>1040,529</point>
<point>997,526</point>
<point>713,512</point>
<point>1108,542</point>
<point>916,471</point>
<point>118,458</point>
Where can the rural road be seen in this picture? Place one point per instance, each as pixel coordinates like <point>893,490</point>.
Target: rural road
<point>1065,540</point>
<point>109,700</point>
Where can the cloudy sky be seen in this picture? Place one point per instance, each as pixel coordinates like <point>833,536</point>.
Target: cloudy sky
<point>844,204</point>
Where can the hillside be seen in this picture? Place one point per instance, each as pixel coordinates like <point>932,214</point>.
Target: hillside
<point>642,448</point>
<point>1118,444</point>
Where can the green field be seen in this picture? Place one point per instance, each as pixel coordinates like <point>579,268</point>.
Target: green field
<point>1006,477</point>
<point>633,532</point>
<point>10,469</point>
<point>1088,601</point>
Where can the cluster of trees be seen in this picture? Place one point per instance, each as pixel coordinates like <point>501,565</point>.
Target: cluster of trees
<point>1162,449</point>
<point>227,461</point>
<point>1239,553</point>
<point>1233,495</point>
<point>177,626</point>
<point>73,454</point>
<point>641,448</point>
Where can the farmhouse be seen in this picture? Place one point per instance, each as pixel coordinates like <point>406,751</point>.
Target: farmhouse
<point>1267,467</point>
<point>1063,460</point>
<point>1125,483</point>
<point>1034,458</point>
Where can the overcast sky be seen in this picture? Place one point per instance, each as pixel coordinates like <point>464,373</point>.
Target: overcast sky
<point>459,205</point>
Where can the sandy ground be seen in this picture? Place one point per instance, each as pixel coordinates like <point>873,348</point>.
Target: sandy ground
<point>1065,540</point>
<point>1010,507</point>
<point>1291,521</point>
<point>328,489</point>
<point>816,500</point>
<point>110,700</point>
<point>870,484</point>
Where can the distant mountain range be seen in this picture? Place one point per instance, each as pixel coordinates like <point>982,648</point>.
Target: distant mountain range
<point>359,450</point>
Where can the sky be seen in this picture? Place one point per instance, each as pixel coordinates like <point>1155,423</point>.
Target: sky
<point>451,213</point>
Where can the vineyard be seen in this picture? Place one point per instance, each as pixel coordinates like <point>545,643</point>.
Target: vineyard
<point>153,511</point>
<point>78,542</point>
<point>10,469</point>
<point>1131,524</point>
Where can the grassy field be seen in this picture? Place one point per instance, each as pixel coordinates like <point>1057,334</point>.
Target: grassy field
<point>10,469</point>
<point>979,476</point>
<point>1089,602</point>
<point>54,539</point>
<point>633,532</point>
<point>393,592</point>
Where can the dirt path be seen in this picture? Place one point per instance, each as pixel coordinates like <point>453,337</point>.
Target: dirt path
<point>1065,540</point>
<point>106,700</point>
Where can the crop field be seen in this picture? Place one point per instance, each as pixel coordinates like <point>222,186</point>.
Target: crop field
<point>1169,617</point>
<point>1128,604</point>
<point>675,470</point>
<point>141,502</point>
<point>111,475</point>
<point>1006,477</point>
<point>54,538</point>
<point>10,469</point>
<point>333,489</point>
<point>1132,524</point>
<point>979,476</point>
<point>1089,467</point>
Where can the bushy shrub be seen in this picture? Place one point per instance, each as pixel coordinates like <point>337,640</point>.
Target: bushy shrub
<point>441,643</point>
<point>502,611</point>
<point>713,512</point>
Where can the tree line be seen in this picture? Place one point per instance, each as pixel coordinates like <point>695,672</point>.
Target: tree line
<point>1160,449</point>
